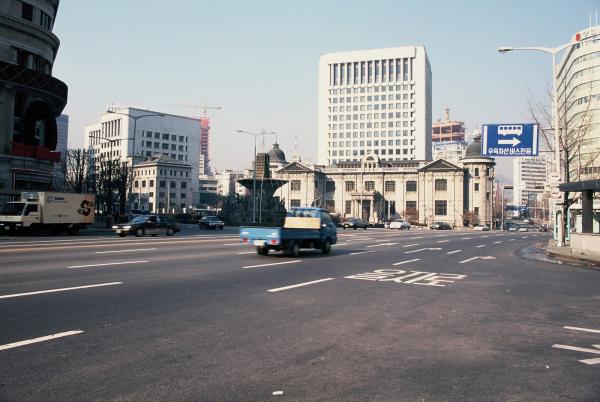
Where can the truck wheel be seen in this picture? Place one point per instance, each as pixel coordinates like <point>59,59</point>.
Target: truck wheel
<point>262,250</point>
<point>122,234</point>
<point>56,230</point>
<point>170,232</point>
<point>73,230</point>
<point>326,247</point>
<point>139,232</point>
<point>295,249</point>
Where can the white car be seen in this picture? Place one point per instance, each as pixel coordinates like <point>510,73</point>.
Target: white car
<point>481,228</point>
<point>400,224</point>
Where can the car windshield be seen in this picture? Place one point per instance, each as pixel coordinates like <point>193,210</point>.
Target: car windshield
<point>13,209</point>
<point>140,219</point>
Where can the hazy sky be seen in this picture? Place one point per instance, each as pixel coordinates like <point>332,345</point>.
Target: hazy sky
<point>259,59</point>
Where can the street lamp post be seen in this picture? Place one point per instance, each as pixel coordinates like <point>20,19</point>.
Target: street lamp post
<point>255,135</point>
<point>553,51</point>
<point>135,119</point>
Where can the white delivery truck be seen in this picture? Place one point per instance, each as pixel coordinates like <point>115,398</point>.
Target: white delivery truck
<point>57,212</point>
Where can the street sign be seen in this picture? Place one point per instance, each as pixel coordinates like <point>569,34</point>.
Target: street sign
<point>511,139</point>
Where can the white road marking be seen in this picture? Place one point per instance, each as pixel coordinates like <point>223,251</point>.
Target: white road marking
<point>274,263</point>
<point>409,245</point>
<point>595,331</point>
<point>124,251</point>
<point>465,238</point>
<point>299,285</point>
<point>443,241</point>
<point>339,244</point>
<point>246,252</point>
<point>481,245</point>
<point>233,244</point>
<point>485,236</point>
<point>498,242</point>
<point>585,350</point>
<point>523,237</point>
<point>363,252</point>
<point>454,252</point>
<point>381,244</point>
<point>512,240</point>
<point>422,249</point>
<point>59,290</point>
<point>406,262</point>
<point>41,339</point>
<point>415,238</point>
<point>106,264</point>
<point>489,257</point>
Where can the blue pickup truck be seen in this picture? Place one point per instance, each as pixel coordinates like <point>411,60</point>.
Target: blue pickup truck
<point>303,228</point>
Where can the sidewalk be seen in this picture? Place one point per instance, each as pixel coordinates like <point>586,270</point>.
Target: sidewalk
<point>566,254</point>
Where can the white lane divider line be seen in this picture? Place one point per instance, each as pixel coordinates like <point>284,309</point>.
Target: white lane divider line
<point>417,237</point>
<point>299,285</point>
<point>41,339</point>
<point>443,241</point>
<point>339,244</point>
<point>233,244</point>
<point>124,251</point>
<point>246,252</point>
<point>498,242</point>
<point>422,249</point>
<point>59,290</point>
<point>106,264</point>
<point>465,238</point>
<point>454,252</point>
<point>407,261</point>
<point>595,331</point>
<point>271,264</point>
<point>485,236</point>
<point>363,252</point>
<point>489,257</point>
<point>410,245</point>
<point>523,237</point>
<point>381,244</point>
<point>481,245</point>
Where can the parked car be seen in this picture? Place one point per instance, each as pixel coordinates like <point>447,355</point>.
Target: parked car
<point>481,228</point>
<point>513,228</point>
<point>210,222</point>
<point>148,224</point>
<point>543,227</point>
<point>400,224</point>
<point>440,226</point>
<point>527,228</point>
<point>354,223</point>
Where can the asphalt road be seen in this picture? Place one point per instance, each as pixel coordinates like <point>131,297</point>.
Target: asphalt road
<point>411,315</point>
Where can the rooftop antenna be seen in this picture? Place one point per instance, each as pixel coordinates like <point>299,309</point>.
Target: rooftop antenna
<point>447,110</point>
<point>590,19</point>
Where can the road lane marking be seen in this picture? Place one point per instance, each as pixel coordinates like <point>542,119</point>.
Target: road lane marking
<point>95,240</point>
<point>465,238</point>
<point>498,242</point>
<point>422,249</point>
<point>246,252</point>
<point>489,257</point>
<point>41,339</point>
<point>481,245</point>
<point>406,262</point>
<point>299,285</point>
<point>363,252</point>
<point>454,252</point>
<point>410,245</point>
<point>381,244</point>
<point>417,237</point>
<point>443,241</point>
<point>523,237</point>
<point>233,244</point>
<point>106,264</point>
<point>271,264</point>
<point>339,244</point>
<point>124,251</point>
<point>485,236</point>
<point>584,350</point>
<point>595,331</point>
<point>59,290</point>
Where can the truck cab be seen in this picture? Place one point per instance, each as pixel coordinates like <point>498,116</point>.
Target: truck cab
<point>19,214</point>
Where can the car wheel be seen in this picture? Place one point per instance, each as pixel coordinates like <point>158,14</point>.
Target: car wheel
<point>354,228</point>
<point>326,247</point>
<point>365,228</point>
<point>139,232</point>
<point>344,227</point>
<point>262,250</point>
<point>295,249</point>
<point>122,234</point>
<point>222,227</point>
<point>170,232</point>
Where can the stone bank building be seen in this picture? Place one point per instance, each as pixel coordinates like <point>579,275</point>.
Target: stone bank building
<point>375,190</point>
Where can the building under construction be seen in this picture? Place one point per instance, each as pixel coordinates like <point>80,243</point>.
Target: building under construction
<point>449,130</point>
<point>204,142</point>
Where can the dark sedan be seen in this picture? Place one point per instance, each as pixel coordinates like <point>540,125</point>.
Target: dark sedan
<point>354,224</point>
<point>148,224</point>
<point>211,222</point>
<point>440,226</point>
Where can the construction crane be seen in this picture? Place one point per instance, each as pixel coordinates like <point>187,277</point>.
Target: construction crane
<point>205,107</point>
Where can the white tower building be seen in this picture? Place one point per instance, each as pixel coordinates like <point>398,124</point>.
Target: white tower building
<point>529,178</point>
<point>374,101</point>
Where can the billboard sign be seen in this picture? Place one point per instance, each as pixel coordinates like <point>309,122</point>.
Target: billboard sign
<point>510,139</point>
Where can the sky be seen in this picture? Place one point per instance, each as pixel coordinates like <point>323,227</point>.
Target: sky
<point>258,60</point>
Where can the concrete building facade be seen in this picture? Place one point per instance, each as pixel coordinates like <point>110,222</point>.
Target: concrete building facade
<point>530,176</point>
<point>31,97</point>
<point>173,135</point>
<point>374,101</point>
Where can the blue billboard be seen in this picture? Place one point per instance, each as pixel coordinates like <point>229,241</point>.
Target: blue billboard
<point>510,139</point>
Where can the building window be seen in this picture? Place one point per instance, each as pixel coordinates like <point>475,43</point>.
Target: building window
<point>441,207</point>
<point>183,195</point>
<point>411,186</point>
<point>390,186</point>
<point>441,185</point>
<point>411,207</point>
<point>136,184</point>
<point>165,136</point>
<point>348,209</point>
<point>369,185</point>
<point>295,203</point>
<point>476,211</point>
<point>151,183</point>
<point>476,172</point>
<point>162,183</point>
<point>295,185</point>
<point>45,20</point>
<point>350,186</point>
<point>476,186</point>
<point>183,185</point>
<point>173,185</point>
<point>27,11</point>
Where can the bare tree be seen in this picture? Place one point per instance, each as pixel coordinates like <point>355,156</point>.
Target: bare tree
<point>75,172</point>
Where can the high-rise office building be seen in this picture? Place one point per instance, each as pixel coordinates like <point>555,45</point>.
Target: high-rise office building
<point>375,101</point>
<point>204,143</point>
<point>529,178</point>
<point>579,104</point>
<point>62,134</point>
